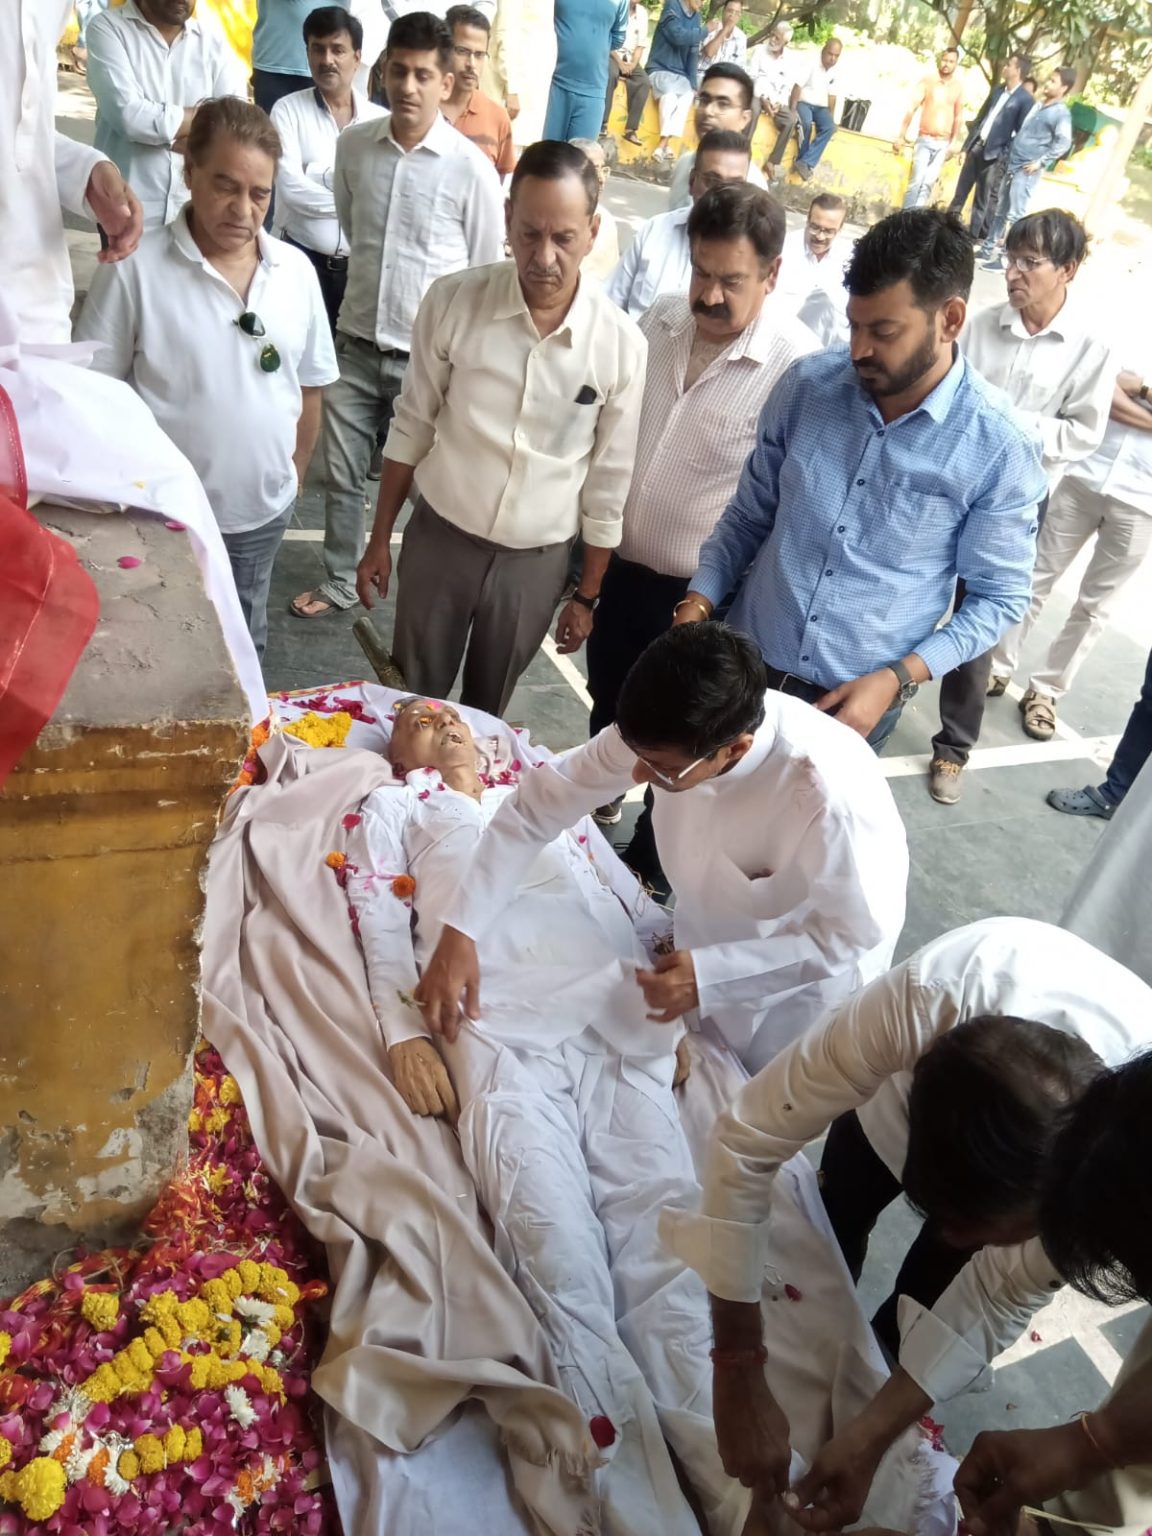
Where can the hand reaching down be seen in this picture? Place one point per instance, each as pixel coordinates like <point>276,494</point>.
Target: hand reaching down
<point>669,988</point>
<point>683,1063</point>
<point>422,1079</point>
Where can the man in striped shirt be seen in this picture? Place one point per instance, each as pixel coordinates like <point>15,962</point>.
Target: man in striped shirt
<point>713,357</point>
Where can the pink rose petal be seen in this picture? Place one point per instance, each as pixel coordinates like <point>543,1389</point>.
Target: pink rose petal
<point>174,526</point>
<point>129,562</point>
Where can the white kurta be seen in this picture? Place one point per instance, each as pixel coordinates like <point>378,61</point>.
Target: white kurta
<point>862,1058</point>
<point>790,870</point>
<point>40,170</point>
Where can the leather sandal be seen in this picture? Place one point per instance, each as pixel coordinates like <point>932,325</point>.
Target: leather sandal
<point>997,686</point>
<point>1039,716</point>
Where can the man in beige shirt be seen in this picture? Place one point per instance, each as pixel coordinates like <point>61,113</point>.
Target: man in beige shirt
<point>713,356</point>
<point>940,103</point>
<point>517,427</point>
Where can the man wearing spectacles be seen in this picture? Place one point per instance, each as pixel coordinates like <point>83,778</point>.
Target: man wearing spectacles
<point>471,113</point>
<point>222,331</point>
<point>776,828</point>
<point>1046,353</point>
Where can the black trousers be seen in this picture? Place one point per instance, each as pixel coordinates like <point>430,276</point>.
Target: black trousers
<point>636,605</point>
<point>856,1186</point>
<point>638,89</point>
<point>982,177</point>
<point>333,279</point>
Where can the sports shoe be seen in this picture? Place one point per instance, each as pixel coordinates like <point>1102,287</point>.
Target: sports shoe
<point>609,815</point>
<point>1080,802</point>
<point>944,780</point>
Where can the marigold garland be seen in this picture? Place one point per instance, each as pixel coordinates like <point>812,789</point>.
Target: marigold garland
<point>141,1391</point>
<point>321,730</point>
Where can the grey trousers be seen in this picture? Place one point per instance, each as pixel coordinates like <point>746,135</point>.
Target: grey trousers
<point>785,119</point>
<point>252,555</point>
<point>356,408</point>
<point>457,592</point>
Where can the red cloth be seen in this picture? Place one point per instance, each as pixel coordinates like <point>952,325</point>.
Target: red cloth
<point>48,607</point>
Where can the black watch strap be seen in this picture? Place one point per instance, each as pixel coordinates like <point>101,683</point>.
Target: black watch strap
<point>908,688</point>
<point>591,603</point>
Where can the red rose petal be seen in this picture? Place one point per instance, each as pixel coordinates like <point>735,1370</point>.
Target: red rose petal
<point>174,526</point>
<point>351,821</point>
<point>792,1293</point>
<point>129,562</point>
<point>602,1430</point>
<point>1035,1337</point>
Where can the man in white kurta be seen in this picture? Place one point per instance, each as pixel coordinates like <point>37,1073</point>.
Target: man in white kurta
<point>783,847</point>
<point>568,1121</point>
<point>859,1063</point>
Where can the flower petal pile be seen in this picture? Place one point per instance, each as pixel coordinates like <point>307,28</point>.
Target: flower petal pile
<point>164,1388</point>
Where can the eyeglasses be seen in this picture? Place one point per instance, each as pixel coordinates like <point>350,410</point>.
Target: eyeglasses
<point>252,325</point>
<point>478,55</point>
<point>1024,264</point>
<point>672,778</point>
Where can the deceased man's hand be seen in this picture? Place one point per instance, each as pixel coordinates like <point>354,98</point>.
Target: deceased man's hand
<point>422,1079</point>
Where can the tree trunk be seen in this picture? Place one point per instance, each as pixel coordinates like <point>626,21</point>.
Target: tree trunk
<point>1104,193</point>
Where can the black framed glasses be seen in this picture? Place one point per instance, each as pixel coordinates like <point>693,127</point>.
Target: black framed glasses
<point>471,55</point>
<point>252,325</point>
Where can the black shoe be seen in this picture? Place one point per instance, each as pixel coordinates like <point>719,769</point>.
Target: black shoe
<point>609,815</point>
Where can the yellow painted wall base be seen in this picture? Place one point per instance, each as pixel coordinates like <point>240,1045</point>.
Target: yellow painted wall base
<point>104,828</point>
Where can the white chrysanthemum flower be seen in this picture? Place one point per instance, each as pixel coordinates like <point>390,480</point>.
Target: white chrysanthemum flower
<point>240,1406</point>
<point>252,1307</point>
<point>256,1345</point>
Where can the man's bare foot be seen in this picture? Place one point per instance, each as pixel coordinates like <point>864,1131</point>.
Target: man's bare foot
<point>309,606</point>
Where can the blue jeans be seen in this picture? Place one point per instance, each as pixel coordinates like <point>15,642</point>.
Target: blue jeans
<point>1015,194</point>
<point>927,163</point>
<point>252,554</point>
<point>817,125</point>
<point>570,116</point>
<point>1134,747</point>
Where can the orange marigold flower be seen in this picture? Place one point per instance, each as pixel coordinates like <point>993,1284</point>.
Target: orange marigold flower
<point>97,1467</point>
<point>403,887</point>
<point>336,861</point>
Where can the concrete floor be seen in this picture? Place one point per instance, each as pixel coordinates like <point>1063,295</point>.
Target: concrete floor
<point>1001,850</point>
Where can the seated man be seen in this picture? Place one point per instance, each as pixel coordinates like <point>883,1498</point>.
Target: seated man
<point>566,1116</point>
<point>778,834</point>
<point>811,281</point>
<point>948,1080</point>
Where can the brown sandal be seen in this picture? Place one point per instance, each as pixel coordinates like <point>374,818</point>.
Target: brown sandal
<point>298,606</point>
<point>1039,716</point>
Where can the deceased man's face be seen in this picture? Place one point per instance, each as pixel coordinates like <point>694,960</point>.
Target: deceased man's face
<point>429,734</point>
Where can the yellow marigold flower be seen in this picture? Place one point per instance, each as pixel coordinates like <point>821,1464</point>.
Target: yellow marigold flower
<point>38,1488</point>
<point>216,1178</point>
<point>284,1318</point>
<point>249,1273</point>
<point>216,1121</point>
<point>195,1121</point>
<point>235,1370</point>
<point>128,1466</point>
<point>228,1337</point>
<point>170,1331</point>
<point>271,1379</point>
<point>321,730</point>
<point>193,1445</point>
<point>151,1454</point>
<point>216,1297</point>
<point>5,1346</point>
<point>195,1316</point>
<point>140,1356</point>
<point>174,1442</point>
<point>5,1451</point>
<point>155,1343</point>
<point>101,1309</point>
<point>102,1386</point>
<point>198,1376</point>
<point>158,1307</point>
<point>230,1090</point>
<point>272,1334</point>
<point>231,1279</point>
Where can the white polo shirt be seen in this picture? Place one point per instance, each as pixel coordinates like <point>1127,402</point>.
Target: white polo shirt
<point>142,87</point>
<point>305,202</point>
<point>167,321</point>
<point>658,261</point>
<point>814,289</point>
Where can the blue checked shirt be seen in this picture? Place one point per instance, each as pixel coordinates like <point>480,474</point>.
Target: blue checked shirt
<point>846,535</point>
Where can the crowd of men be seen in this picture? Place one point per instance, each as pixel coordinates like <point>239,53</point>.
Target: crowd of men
<point>691,441</point>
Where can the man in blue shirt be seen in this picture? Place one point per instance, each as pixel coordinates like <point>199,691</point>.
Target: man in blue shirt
<point>989,138</point>
<point>586,33</point>
<point>879,478</point>
<point>1046,136</point>
<point>672,65</point>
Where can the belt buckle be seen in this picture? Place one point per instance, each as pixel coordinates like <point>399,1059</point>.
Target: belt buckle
<point>785,679</point>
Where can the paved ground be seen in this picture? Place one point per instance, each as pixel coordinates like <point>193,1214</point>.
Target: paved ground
<point>1001,850</point>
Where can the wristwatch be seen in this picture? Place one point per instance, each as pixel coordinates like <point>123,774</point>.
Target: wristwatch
<point>908,689</point>
<point>591,603</point>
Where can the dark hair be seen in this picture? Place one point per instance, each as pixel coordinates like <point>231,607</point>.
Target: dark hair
<point>329,20</point>
<point>831,202</point>
<point>240,120</point>
<point>1022,62</point>
<point>727,213</point>
<point>1095,1205</point>
<point>723,141</point>
<point>1032,81</point>
<point>951,48</point>
<point>552,160</point>
<point>422,32</point>
<point>1067,76</point>
<point>986,1102</point>
<point>1054,233</point>
<point>696,688</point>
<point>467,16</point>
<point>928,246</point>
<point>732,72</point>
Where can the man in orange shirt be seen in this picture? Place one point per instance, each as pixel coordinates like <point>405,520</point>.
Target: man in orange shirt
<point>941,107</point>
<point>473,114</point>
